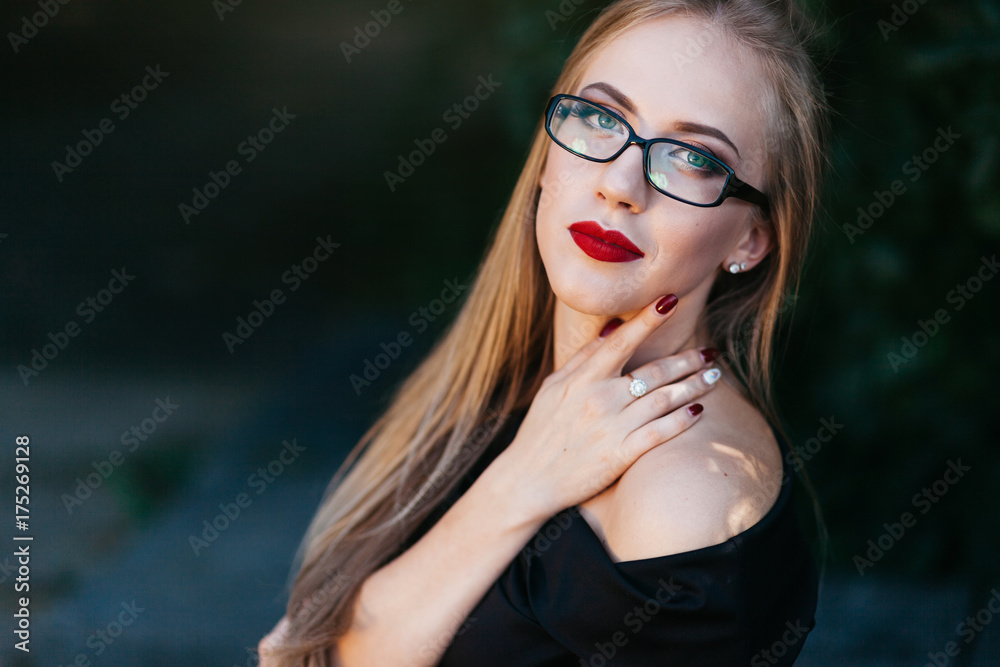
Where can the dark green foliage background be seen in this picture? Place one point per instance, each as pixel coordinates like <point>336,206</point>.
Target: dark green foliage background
<point>324,175</point>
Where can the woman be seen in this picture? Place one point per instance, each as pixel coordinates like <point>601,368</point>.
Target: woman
<point>563,480</point>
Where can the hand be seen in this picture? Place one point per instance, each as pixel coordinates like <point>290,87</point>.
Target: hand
<point>584,428</point>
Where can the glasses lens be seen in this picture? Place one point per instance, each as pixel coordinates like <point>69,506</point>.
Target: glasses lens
<point>586,130</point>
<point>686,174</point>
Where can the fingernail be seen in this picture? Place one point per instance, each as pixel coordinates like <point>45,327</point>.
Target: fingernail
<point>708,354</point>
<point>711,375</point>
<point>610,326</point>
<point>695,409</point>
<point>664,305</point>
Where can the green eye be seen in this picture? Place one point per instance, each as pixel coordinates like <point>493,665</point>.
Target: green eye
<point>696,160</point>
<point>607,122</point>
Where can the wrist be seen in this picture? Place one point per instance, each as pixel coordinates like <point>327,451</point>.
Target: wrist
<point>504,482</point>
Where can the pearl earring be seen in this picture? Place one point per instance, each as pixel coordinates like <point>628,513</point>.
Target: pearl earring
<point>736,268</point>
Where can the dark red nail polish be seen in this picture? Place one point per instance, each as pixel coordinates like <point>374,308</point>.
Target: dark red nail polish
<point>610,326</point>
<point>664,305</point>
<point>695,409</point>
<point>709,354</point>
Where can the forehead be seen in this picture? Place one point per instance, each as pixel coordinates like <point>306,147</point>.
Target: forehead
<point>678,68</point>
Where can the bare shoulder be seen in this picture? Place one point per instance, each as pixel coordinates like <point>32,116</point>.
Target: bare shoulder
<point>711,482</point>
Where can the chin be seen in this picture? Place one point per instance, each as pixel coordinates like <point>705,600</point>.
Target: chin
<point>589,287</point>
<point>595,296</point>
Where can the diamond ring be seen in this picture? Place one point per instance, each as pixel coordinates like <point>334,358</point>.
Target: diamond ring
<point>637,387</point>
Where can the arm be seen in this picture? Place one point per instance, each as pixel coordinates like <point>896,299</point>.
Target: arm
<point>581,432</point>
<point>443,575</point>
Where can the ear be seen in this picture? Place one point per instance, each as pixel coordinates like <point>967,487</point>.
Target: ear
<point>752,247</point>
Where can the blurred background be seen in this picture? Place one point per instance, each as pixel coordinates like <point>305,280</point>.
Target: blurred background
<point>178,453</point>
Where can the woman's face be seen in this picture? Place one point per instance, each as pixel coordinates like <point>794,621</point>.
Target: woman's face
<point>675,78</point>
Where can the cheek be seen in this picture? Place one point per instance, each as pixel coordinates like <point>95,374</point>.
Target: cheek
<point>562,180</point>
<point>692,242</point>
<point>556,181</point>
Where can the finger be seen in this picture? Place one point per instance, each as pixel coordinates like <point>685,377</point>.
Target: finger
<point>658,431</point>
<point>622,343</point>
<point>582,354</point>
<point>674,367</point>
<point>671,396</point>
<point>593,344</point>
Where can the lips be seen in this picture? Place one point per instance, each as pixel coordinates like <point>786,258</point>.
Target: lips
<point>606,245</point>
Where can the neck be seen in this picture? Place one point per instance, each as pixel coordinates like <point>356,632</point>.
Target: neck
<point>573,329</point>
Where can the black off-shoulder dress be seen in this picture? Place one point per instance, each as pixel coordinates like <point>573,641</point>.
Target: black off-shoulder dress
<point>563,602</point>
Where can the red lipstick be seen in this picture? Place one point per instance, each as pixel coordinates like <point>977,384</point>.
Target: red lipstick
<point>606,245</point>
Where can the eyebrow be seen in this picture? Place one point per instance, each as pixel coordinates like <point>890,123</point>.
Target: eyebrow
<point>680,126</point>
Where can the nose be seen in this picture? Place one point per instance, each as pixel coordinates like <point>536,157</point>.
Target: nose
<point>622,183</point>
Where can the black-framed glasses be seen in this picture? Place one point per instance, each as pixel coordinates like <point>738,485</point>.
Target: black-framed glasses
<point>679,170</point>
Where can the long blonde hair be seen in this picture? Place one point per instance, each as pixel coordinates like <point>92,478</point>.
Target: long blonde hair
<point>492,359</point>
